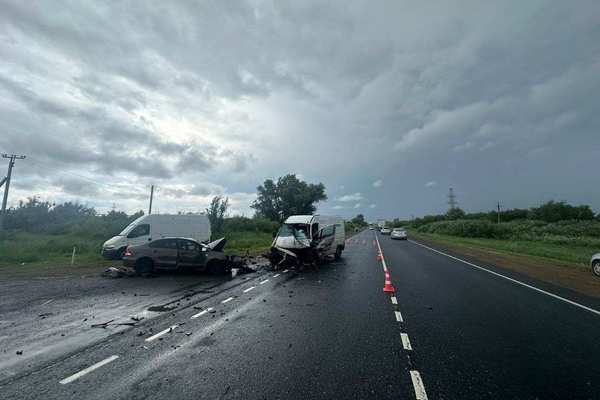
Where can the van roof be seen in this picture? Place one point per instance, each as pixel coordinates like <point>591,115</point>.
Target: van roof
<point>299,219</point>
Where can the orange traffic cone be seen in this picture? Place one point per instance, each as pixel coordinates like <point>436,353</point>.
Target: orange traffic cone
<point>387,287</point>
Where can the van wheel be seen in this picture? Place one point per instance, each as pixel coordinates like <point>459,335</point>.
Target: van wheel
<point>144,266</point>
<point>596,267</point>
<point>338,253</point>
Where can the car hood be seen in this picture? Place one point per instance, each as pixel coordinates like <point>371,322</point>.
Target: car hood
<point>217,245</point>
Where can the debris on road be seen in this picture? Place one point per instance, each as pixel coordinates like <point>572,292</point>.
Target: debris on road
<point>118,272</point>
<point>19,352</point>
<point>103,325</point>
<point>162,308</point>
<point>46,314</point>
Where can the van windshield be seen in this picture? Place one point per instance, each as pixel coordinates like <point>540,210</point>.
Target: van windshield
<point>129,227</point>
<point>297,231</point>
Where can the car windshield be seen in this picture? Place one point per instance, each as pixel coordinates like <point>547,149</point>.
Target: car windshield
<point>293,230</point>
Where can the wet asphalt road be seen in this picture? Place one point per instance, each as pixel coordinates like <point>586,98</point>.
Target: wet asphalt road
<point>331,333</point>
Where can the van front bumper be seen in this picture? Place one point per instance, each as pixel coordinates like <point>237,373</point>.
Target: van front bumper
<point>111,254</point>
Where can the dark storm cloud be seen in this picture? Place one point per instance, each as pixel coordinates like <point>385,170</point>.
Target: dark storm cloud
<point>489,98</point>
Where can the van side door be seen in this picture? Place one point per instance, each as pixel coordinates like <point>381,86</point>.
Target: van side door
<point>191,255</point>
<point>165,253</point>
<point>326,240</point>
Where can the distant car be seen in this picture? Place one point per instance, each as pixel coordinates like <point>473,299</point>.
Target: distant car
<point>176,253</point>
<point>596,264</point>
<point>399,233</point>
<point>385,231</point>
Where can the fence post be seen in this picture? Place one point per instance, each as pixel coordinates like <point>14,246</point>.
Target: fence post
<point>73,256</point>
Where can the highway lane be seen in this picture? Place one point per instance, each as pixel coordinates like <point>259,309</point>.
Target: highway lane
<point>330,333</point>
<point>450,331</point>
<point>477,335</point>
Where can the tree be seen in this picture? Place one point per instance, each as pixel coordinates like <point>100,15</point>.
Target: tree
<point>289,196</point>
<point>359,221</point>
<point>216,212</point>
<point>455,213</point>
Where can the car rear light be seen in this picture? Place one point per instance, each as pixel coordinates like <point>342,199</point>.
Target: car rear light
<point>128,252</point>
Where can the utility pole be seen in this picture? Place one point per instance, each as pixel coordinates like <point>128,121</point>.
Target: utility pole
<point>498,212</point>
<point>6,181</point>
<point>452,199</point>
<point>151,197</point>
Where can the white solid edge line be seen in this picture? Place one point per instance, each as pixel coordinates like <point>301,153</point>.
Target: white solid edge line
<point>249,289</point>
<point>276,275</point>
<point>159,334</point>
<point>394,300</point>
<point>398,316</point>
<point>417,382</point>
<point>201,313</point>
<point>513,280</point>
<point>88,370</point>
<point>405,341</point>
<point>265,281</point>
<point>227,300</point>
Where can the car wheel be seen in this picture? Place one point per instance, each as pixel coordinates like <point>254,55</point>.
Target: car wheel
<point>338,253</point>
<point>215,267</point>
<point>144,266</point>
<point>596,267</point>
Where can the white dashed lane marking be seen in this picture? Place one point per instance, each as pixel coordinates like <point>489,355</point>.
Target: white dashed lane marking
<point>394,300</point>
<point>161,333</point>
<point>398,316</point>
<point>265,281</point>
<point>405,341</point>
<point>417,382</point>
<point>201,313</point>
<point>88,370</point>
<point>276,275</point>
<point>227,300</point>
<point>249,289</point>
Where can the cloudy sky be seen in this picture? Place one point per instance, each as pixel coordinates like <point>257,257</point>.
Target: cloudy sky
<point>387,103</point>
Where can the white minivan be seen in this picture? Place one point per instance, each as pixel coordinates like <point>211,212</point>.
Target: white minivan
<point>299,233</point>
<point>155,226</point>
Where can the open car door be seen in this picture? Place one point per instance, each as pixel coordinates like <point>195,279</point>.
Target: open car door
<point>325,239</point>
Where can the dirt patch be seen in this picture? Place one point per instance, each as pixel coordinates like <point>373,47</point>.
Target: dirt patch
<point>559,273</point>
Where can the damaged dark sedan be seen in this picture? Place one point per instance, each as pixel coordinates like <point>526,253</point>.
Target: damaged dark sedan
<point>177,254</point>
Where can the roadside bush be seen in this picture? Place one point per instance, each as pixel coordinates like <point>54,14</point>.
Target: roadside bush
<point>584,233</point>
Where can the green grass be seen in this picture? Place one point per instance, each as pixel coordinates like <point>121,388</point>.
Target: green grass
<point>43,249</point>
<point>254,243</point>
<point>563,252</point>
<point>30,248</point>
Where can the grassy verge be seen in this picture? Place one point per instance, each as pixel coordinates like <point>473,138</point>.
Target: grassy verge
<point>255,243</point>
<point>41,250</point>
<point>577,256</point>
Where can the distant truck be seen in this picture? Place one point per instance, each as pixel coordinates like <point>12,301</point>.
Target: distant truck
<point>381,223</point>
<point>308,239</point>
<point>156,226</point>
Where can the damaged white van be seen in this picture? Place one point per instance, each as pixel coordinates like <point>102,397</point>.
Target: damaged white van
<point>155,226</point>
<point>308,239</point>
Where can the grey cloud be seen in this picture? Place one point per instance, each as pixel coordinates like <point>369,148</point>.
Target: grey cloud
<point>402,93</point>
